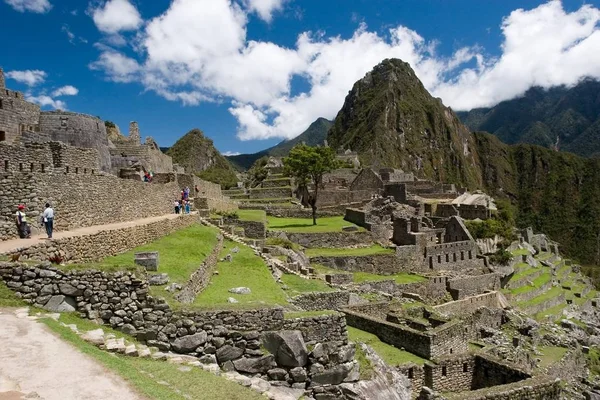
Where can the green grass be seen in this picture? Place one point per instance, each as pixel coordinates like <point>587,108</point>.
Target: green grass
<point>366,369</point>
<point>247,270</point>
<point>552,311</point>
<point>324,224</point>
<point>297,285</point>
<point>179,253</point>
<point>537,283</point>
<point>252,215</point>
<point>308,314</point>
<point>543,256</point>
<point>391,355</point>
<point>8,297</point>
<point>520,252</point>
<point>552,292</point>
<point>523,270</point>
<point>551,355</point>
<point>136,372</point>
<point>361,251</point>
<point>401,278</point>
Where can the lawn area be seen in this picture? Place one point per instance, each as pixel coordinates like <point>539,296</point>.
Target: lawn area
<point>180,253</point>
<point>193,384</point>
<point>555,312</point>
<point>537,283</point>
<point>360,251</point>
<point>520,252</point>
<point>401,278</point>
<point>297,285</point>
<point>252,215</point>
<point>552,292</point>
<point>551,355</point>
<point>391,355</point>
<point>247,270</point>
<point>522,270</point>
<point>8,298</point>
<point>305,225</point>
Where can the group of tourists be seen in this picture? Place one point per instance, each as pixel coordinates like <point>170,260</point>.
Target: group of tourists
<point>182,206</point>
<point>46,220</point>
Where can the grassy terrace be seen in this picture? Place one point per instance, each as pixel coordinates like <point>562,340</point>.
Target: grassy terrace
<point>247,270</point>
<point>523,270</point>
<point>553,292</point>
<point>537,283</point>
<point>551,355</point>
<point>297,285</point>
<point>361,251</point>
<point>543,256</point>
<point>252,215</point>
<point>390,354</point>
<point>305,225</point>
<point>8,298</point>
<point>520,252</point>
<point>359,277</point>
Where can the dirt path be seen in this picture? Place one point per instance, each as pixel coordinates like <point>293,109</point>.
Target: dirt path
<point>35,364</point>
<point>15,244</point>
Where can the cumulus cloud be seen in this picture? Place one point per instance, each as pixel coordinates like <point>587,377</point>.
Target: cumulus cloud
<point>46,101</point>
<point>30,77</point>
<point>65,91</point>
<point>115,16</point>
<point>264,8</point>
<point>182,59</point>
<point>35,6</point>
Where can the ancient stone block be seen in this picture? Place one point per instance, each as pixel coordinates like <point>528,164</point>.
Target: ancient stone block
<point>148,260</point>
<point>287,346</point>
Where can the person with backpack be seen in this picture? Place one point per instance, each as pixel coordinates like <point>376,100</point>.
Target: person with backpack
<point>22,226</point>
<point>48,220</point>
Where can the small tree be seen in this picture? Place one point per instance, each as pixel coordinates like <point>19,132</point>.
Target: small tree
<point>307,165</point>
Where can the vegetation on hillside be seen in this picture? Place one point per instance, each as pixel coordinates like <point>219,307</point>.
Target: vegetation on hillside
<point>197,154</point>
<point>560,117</point>
<point>257,173</point>
<point>109,124</point>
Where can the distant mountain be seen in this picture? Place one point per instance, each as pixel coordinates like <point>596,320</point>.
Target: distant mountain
<point>314,135</point>
<point>564,118</point>
<point>197,154</point>
<point>391,120</point>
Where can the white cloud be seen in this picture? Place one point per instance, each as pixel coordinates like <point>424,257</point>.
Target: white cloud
<point>183,59</point>
<point>231,153</point>
<point>65,28</point>
<point>264,8</point>
<point>30,77</point>
<point>46,101</point>
<point>65,91</point>
<point>115,16</point>
<point>35,6</point>
<point>116,66</point>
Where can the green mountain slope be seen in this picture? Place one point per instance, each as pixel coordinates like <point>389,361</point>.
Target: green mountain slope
<point>391,120</point>
<point>566,118</point>
<point>314,135</point>
<point>197,154</point>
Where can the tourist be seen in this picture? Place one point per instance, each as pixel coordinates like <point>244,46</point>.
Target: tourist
<point>176,204</point>
<point>187,206</point>
<point>186,192</point>
<point>49,220</point>
<point>22,226</point>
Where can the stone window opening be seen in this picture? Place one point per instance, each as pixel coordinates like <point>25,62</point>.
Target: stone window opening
<point>431,262</point>
<point>43,168</point>
<point>410,373</point>
<point>6,165</point>
<point>447,257</point>
<point>470,255</point>
<point>444,372</point>
<point>465,367</point>
<point>2,135</point>
<point>454,256</point>
<point>31,167</point>
<point>462,255</point>
<point>20,166</point>
<point>439,259</point>
<point>450,350</point>
<point>92,172</point>
<point>67,169</point>
<point>85,170</point>
<point>76,170</point>
<point>1,105</point>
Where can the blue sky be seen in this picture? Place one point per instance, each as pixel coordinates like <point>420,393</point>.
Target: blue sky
<point>250,73</point>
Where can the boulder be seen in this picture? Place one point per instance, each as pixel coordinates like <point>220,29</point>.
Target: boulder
<point>69,290</point>
<point>240,290</point>
<point>288,347</point>
<point>332,376</point>
<point>61,303</point>
<point>232,300</point>
<point>158,279</point>
<point>255,365</point>
<point>148,260</point>
<point>189,343</point>
<point>227,353</point>
<point>298,374</point>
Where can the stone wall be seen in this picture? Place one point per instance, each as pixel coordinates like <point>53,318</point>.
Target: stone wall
<point>289,212</point>
<point>16,115</point>
<point>335,197</point>
<point>470,304</point>
<point>235,339</point>
<point>538,388</point>
<point>252,229</point>
<point>382,264</point>
<point>553,302</point>
<point>331,239</point>
<point>357,217</point>
<point>452,256</point>
<point>467,286</point>
<point>94,247</point>
<point>322,300</point>
<point>415,374</point>
<point>490,372</point>
<point>270,193</point>
<point>78,130</point>
<point>454,374</point>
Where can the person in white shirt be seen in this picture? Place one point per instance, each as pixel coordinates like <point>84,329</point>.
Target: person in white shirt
<point>48,216</point>
<point>22,226</point>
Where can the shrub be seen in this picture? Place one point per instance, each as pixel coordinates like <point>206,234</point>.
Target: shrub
<point>222,176</point>
<point>501,257</point>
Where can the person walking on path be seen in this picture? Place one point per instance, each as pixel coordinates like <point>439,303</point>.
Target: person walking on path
<point>176,205</point>
<point>22,226</point>
<point>49,220</point>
